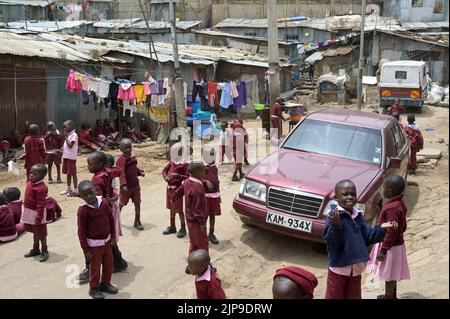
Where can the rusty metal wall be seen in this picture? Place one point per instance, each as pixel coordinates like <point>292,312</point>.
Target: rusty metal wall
<point>22,97</point>
<point>63,105</point>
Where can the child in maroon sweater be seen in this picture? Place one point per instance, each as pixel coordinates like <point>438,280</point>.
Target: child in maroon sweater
<point>416,139</point>
<point>54,211</point>
<point>14,203</point>
<point>174,173</point>
<point>293,283</point>
<point>54,141</point>
<point>388,258</point>
<point>397,108</point>
<point>96,234</point>
<point>195,203</point>
<point>8,228</point>
<point>35,152</point>
<point>212,189</point>
<point>33,213</point>
<point>129,182</point>
<point>207,285</point>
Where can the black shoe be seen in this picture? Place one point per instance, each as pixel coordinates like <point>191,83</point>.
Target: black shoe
<point>138,225</point>
<point>32,253</point>
<point>212,238</point>
<point>83,276</point>
<point>241,175</point>
<point>246,162</point>
<point>43,257</point>
<point>380,297</point>
<point>181,233</point>
<point>96,294</point>
<point>412,172</point>
<point>235,179</point>
<point>170,230</point>
<point>108,288</point>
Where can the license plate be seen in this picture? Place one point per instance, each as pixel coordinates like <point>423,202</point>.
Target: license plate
<point>289,222</point>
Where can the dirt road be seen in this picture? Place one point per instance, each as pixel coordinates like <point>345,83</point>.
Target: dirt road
<point>246,257</point>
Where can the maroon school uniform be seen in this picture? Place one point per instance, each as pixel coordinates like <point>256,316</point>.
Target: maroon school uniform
<point>95,229</point>
<point>103,183</point>
<point>212,196</point>
<point>396,108</point>
<point>16,208</point>
<point>7,225</point>
<point>195,210</point>
<point>180,169</point>
<point>53,209</point>
<point>54,142</point>
<point>34,152</point>
<point>129,177</point>
<point>34,200</point>
<point>393,210</point>
<point>208,286</point>
<point>416,139</point>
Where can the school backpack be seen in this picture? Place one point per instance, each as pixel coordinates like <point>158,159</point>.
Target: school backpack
<point>415,138</point>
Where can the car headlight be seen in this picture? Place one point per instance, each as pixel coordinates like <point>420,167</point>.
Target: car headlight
<point>253,189</point>
<point>327,209</point>
<point>361,207</point>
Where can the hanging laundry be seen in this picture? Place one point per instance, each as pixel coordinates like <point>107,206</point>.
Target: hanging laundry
<point>139,92</point>
<point>154,87</point>
<point>147,88</point>
<point>234,91</point>
<point>241,100</point>
<point>197,89</point>
<point>213,97</point>
<point>126,92</point>
<point>72,84</point>
<point>161,87</point>
<point>112,96</point>
<point>103,89</point>
<point>92,84</point>
<point>127,106</point>
<point>226,100</point>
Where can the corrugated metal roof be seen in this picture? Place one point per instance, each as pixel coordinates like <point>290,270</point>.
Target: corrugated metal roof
<point>236,36</point>
<point>30,46</point>
<point>140,24</point>
<point>116,23</point>
<point>94,49</point>
<point>47,25</point>
<point>333,23</point>
<point>262,23</point>
<point>424,25</point>
<point>338,51</point>
<point>33,3</point>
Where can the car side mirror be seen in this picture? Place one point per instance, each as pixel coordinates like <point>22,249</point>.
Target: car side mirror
<point>394,162</point>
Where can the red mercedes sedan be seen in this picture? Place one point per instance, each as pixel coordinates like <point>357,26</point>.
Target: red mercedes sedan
<point>291,191</point>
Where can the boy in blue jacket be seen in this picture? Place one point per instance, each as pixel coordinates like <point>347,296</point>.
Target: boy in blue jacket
<point>348,236</point>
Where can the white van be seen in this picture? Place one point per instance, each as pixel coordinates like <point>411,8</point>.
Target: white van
<point>405,81</point>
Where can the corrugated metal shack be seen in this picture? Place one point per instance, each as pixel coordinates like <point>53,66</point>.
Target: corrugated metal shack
<point>34,68</point>
<point>136,29</point>
<point>15,10</point>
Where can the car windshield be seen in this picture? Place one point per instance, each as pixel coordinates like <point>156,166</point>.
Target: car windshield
<point>346,141</point>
